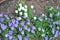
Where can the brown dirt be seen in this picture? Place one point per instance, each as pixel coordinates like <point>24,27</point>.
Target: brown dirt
<point>8,6</point>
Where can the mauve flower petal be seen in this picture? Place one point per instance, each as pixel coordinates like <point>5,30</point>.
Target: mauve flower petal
<point>22,23</point>
<point>10,37</point>
<point>10,24</point>
<point>56,34</point>
<point>32,31</point>
<point>3,26</point>
<point>53,30</point>
<point>25,38</point>
<point>20,29</point>
<point>25,27</point>
<point>2,19</point>
<point>40,18</point>
<point>28,29</point>
<point>46,38</point>
<point>51,38</point>
<point>13,21</point>
<point>1,15</point>
<point>28,23</point>
<point>33,27</point>
<point>10,32</point>
<point>19,37</point>
<point>28,20</point>
<point>16,25</point>
<point>58,14</point>
<point>51,15</point>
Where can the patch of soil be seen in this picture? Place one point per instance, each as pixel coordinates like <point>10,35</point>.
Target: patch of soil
<point>39,5</point>
<point>8,6</point>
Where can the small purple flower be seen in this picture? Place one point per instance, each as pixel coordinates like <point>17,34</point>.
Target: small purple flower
<point>46,38</point>
<point>10,24</point>
<point>32,31</point>
<point>25,27</point>
<point>33,27</point>
<point>16,25</point>
<point>16,22</point>
<point>28,29</point>
<point>51,38</point>
<point>58,7</point>
<point>28,23</point>
<point>40,18</point>
<point>1,15</point>
<point>19,37</point>
<point>22,23</point>
<point>13,21</point>
<point>28,20</point>
<point>53,30</point>
<point>10,32</point>
<point>57,22</point>
<point>0,38</point>
<point>20,29</point>
<point>17,18</point>
<point>51,15</point>
<point>56,34</point>
<point>6,38</point>
<point>2,19</point>
<point>54,23</point>
<point>10,37</point>
<point>59,32</point>
<point>58,14</point>
<point>3,26</point>
<point>25,38</point>
<point>24,17</point>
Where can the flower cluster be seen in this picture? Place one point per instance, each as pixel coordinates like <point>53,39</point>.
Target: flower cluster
<point>26,26</point>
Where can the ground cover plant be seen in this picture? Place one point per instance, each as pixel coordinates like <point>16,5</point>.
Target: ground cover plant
<point>26,26</point>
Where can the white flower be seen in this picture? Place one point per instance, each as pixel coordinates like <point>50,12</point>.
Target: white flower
<point>6,35</point>
<point>39,29</point>
<point>43,14</point>
<point>51,8</point>
<point>16,11</point>
<point>22,32</point>
<point>22,8</point>
<point>43,35</point>
<point>32,6</point>
<point>26,14</point>
<point>19,9</point>
<point>25,6</point>
<point>45,18</point>
<point>35,18</point>
<point>20,5</point>
<point>20,13</point>
<point>25,10</point>
<point>19,18</point>
<point>43,30</point>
